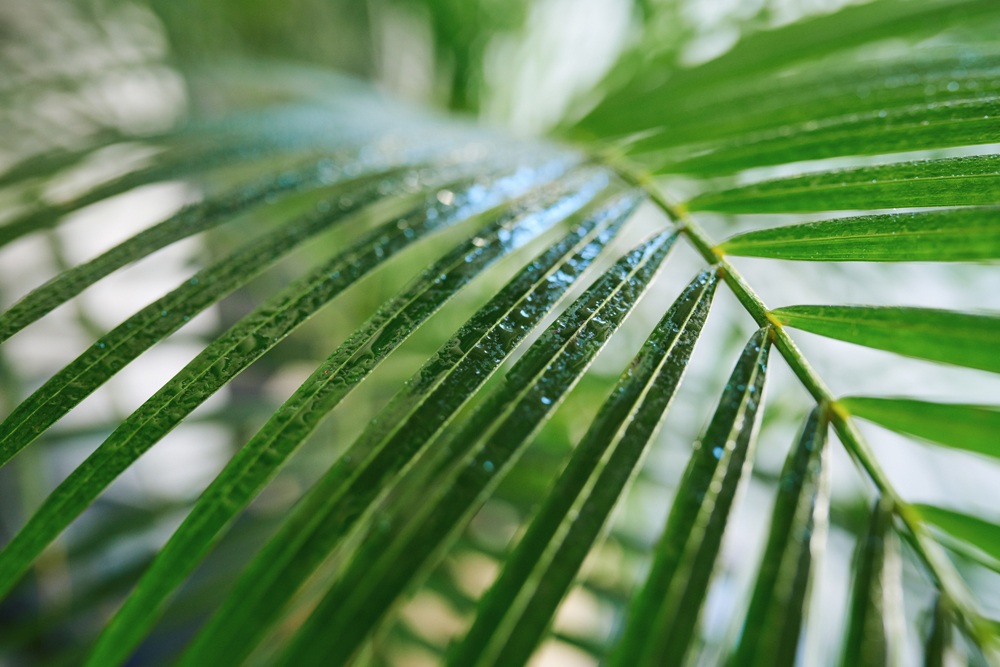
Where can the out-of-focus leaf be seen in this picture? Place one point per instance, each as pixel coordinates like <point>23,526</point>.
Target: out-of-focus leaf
<point>974,428</point>
<point>963,339</point>
<point>514,613</point>
<point>797,537</point>
<point>819,90</point>
<point>875,623</point>
<point>961,181</point>
<point>939,639</point>
<point>661,623</point>
<point>538,288</point>
<point>953,235</point>
<point>431,507</point>
<point>758,55</point>
<point>192,220</point>
<point>977,532</point>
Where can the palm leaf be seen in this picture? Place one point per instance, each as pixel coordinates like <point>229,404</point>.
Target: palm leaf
<point>460,206</point>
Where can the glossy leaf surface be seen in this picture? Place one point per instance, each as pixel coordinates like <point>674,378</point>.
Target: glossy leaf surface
<point>874,620</point>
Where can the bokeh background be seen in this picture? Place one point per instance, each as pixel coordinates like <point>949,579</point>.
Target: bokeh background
<point>73,73</point>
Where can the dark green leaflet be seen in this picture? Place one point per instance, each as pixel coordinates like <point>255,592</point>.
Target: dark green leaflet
<point>514,613</point>
<point>951,337</point>
<point>246,341</point>
<point>952,235</point>
<point>939,639</point>
<point>981,534</point>
<point>760,54</point>
<point>873,621</point>
<point>798,530</point>
<point>424,517</point>
<point>161,318</point>
<point>973,428</point>
<point>821,91</point>
<point>916,127</point>
<point>414,416</point>
<point>664,614</point>
<point>960,181</point>
<point>260,459</point>
<point>192,220</point>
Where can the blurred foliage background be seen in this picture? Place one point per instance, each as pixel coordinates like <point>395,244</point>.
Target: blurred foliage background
<point>76,72</point>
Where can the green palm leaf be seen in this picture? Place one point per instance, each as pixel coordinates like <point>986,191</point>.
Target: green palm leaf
<point>969,427</point>
<point>956,338</point>
<point>955,235</point>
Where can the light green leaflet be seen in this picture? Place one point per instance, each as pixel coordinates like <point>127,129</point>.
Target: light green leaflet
<point>977,532</point>
<point>875,623</point>
<point>951,337</point>
<point>952,235</point>
<point>916,127</point>
<point>961,181</point>
<point>663,617</point>
<point>974,428</point>
<point>346,491</point>
<point>774,619</point>
<point>513,614</point>
<point>259,331</point>
<point>542,282</point>
<point>424,516</point>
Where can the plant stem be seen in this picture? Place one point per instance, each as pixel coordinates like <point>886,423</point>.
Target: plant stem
<point>949,582</point>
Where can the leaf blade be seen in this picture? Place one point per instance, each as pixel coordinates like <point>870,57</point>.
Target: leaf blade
<point>967,427</point>
<point>954,235</point>
<point>960,181</point>
<point>962,339</point>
